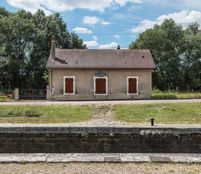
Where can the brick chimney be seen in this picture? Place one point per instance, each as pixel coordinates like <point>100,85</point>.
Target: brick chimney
<point>53,47</point>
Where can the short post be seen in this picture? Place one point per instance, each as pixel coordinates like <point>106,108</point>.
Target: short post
<point>48,92</point>
<point>152,121</point>
<point>16,94</point>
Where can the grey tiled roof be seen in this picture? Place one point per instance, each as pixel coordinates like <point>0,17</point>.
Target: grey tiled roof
<point>75,58</point>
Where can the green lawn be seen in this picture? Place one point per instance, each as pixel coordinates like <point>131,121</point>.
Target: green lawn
<point>177,113</point>
<point>44,114</point>
<point>156,94</point>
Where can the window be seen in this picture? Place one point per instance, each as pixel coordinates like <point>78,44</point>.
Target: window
<point>100,85</point>
<point>132,85</point>
<point>69,85</point>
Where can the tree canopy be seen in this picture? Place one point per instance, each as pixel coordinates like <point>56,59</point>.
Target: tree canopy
<point>25,46</point>
<point>177,54</point>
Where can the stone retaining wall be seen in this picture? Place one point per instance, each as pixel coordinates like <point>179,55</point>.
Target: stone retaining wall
<point>99,140</point>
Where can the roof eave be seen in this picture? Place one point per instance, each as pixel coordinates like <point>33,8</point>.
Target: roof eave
<point>55,67</point>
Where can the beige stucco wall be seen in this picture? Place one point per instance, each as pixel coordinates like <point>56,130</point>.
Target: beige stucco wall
<point>84,84</point>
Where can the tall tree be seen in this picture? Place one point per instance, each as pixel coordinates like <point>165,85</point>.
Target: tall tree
<point>191,58</point>
<point>76,42</point>
<point>164,41</point>
<point>3,12</point>
<point>25,46</point>
<point>16,31</point>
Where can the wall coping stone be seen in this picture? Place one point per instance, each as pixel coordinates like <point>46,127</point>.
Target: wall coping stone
<point>98,130</point>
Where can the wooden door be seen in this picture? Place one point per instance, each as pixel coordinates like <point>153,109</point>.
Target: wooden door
<point>69,85</point>
<point>100,86</point>
<point>132,85</point>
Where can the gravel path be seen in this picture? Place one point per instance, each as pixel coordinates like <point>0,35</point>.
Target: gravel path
<point>113,102</point>
<point>103,115</point>
<point>98,168</point>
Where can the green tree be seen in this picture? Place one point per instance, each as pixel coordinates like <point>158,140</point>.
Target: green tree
<point>3,12</point>
<point>164,41</point>
<point>76,42</point>
<point>25,46</point>
<point>44,28</point>
<point>191,58</point>
<point>16,31</point>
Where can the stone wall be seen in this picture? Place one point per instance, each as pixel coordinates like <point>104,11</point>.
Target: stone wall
<point>99,140</point>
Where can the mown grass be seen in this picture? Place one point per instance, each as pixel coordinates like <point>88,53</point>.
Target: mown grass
<point>156,94</point>
<point>175,113</point>
<point>44,114</point>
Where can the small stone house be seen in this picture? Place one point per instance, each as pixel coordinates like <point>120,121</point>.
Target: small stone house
<point>99,74</point>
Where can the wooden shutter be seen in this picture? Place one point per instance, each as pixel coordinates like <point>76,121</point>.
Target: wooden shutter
<point>132,85</point>
<point>69,85</point>
<point>100,86</point>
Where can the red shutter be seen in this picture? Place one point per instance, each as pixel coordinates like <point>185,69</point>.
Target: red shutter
<point>100,86</point>
<point>132,86</point>
<point>69,85</point>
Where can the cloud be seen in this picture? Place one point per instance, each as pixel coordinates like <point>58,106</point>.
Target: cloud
<point>81,30</point>
<point>145,24</point>
<point>178,4</point>
<point>95,37</point>
<point>112,45</point>
<point>92,20</point>
<point>192,3</point>
<point>117,36</point>
<point>29,5</point>
<point>63,5</point>
<point>183,18</point>
<point>92,43</point>
<point>123,2</point>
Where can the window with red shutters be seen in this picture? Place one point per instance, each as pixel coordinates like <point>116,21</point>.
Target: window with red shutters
<point>69,85</point>
<point>132,85</point>
<point>100,86</point>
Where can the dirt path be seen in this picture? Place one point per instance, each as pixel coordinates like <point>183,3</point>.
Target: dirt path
<point>102,115</point>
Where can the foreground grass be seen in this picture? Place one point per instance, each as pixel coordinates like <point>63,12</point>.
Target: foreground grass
<point>156,94</point>
<point>101,168</point>
<point>175,113</point>
<point>44,114</point>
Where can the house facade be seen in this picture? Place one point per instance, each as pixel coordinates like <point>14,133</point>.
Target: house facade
<point>99,74</point>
